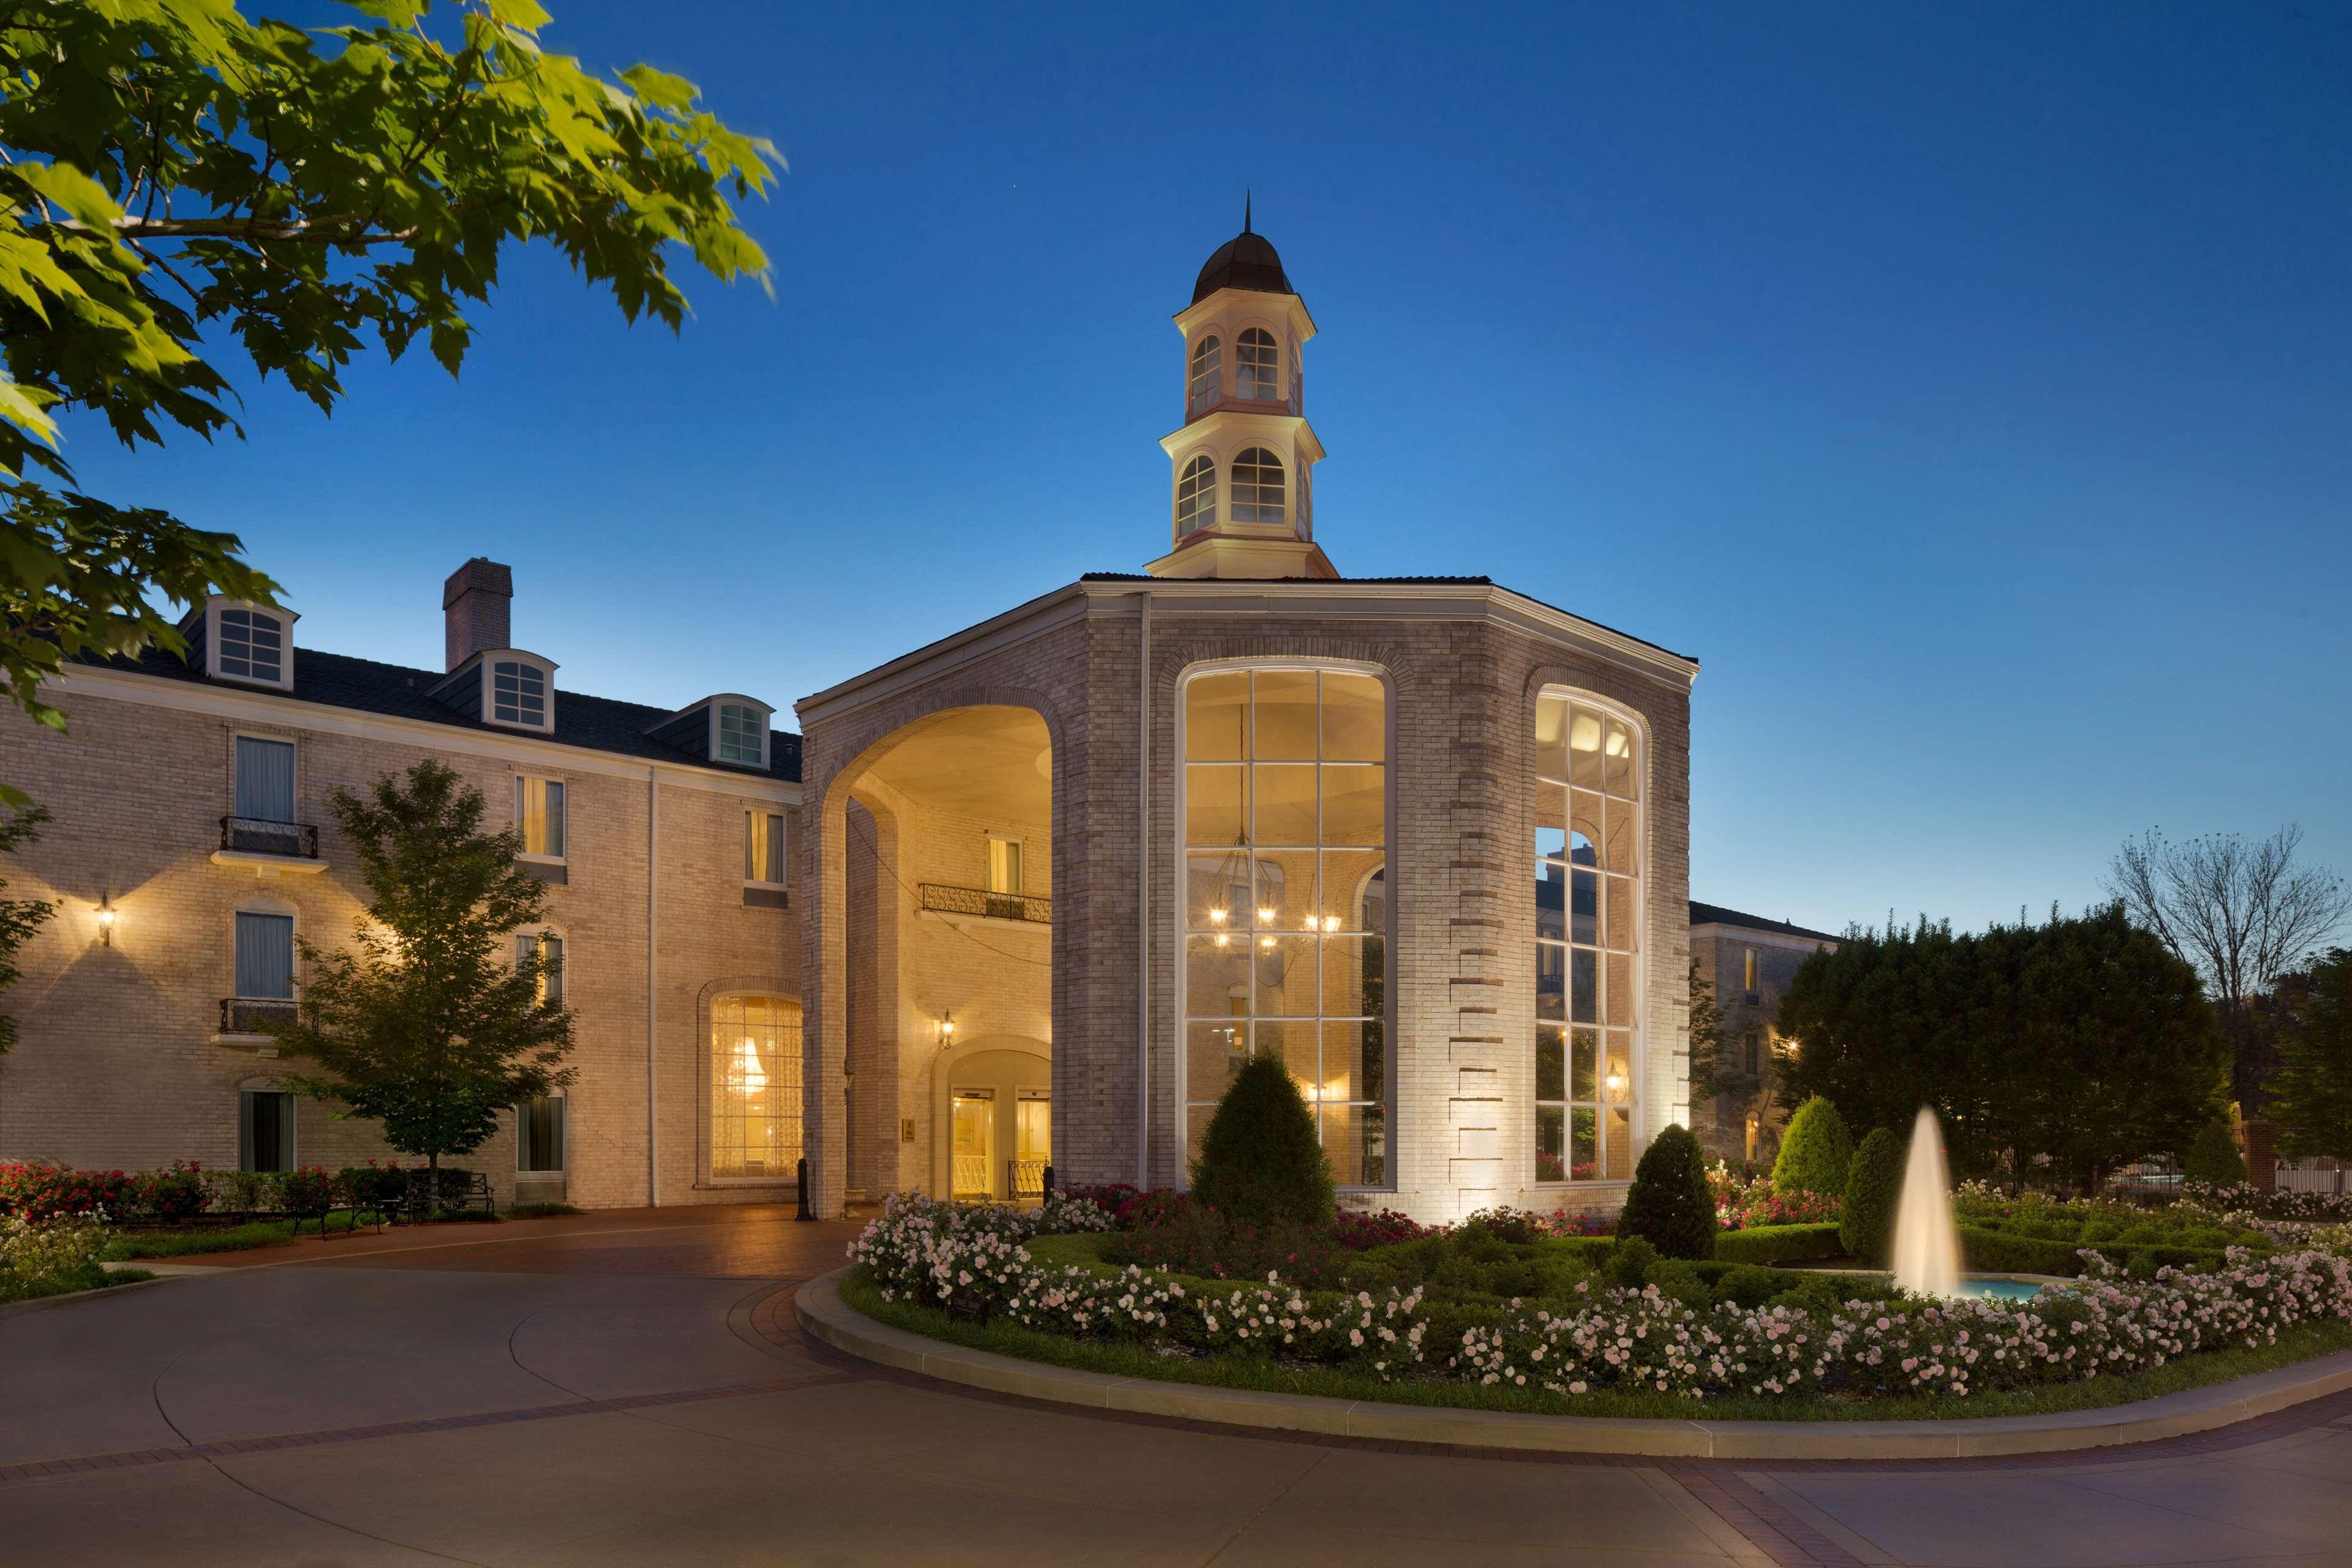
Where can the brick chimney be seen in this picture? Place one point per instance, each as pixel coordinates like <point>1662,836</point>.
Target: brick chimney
<point>477,604</point>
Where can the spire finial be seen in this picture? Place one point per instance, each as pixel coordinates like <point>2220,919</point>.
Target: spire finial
<point>1246,209</point>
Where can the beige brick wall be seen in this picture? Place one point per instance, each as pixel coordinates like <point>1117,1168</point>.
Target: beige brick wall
<point>116,1063</point>
<point>1463,918</point>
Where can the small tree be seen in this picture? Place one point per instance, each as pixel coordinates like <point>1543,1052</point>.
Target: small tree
<point>427,1024</point>
<point>1260,1160</point>
<point>19,917</point>
<point>1669,1204</point>
<point>2214,1157</point>
<point>2243,912</point>
<point>1814,1152</point>
<point>1874,1183</point>
<point>2312,1098</point>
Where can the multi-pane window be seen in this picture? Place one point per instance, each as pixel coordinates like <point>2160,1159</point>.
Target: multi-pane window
<point>1285,824</point>
<point>1256,361</point>
<point>1004,865</point>
<point>538,1134</point>
<point>252,645</point>
<point>1588,972</point>
<point>1196,497</point>
<point>265,957</point>
<point>538,818</point>
<point>548,949</point>
<point>755,1087</point>
<point>518,694</point>
<point>742,734</point>
<point>764,848</point>
<point>263,790</point>
<point>1208,360</point>
<point>1257,487</point>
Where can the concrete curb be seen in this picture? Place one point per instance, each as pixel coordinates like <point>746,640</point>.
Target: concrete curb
<point>103,1293</point>
<point>822,1312</point>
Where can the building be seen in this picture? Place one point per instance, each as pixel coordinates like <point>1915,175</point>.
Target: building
<point>1028,895</point>
<point>1749,961</point>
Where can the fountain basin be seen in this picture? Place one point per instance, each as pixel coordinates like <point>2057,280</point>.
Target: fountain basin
<point>1996,1288</point>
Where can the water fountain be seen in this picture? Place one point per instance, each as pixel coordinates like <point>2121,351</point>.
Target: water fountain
<point>1927,1242</point>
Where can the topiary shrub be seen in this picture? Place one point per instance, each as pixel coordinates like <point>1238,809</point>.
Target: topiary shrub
<point>1873,1185</point>
<point>1260,1161</point>
<point>1748,1285</point>
<point>2214,1157</point>
<point>1670,1206</point>
<point>1814,1152</point>
<point>1629,1262</point>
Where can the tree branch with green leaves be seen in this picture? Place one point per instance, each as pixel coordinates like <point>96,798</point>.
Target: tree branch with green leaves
<point>176,178</point>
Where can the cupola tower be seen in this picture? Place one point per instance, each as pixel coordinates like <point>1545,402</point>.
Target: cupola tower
<point>1241,497</point>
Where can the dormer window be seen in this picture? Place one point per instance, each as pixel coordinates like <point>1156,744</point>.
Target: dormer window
<point>742,734</point>
<point>232,640</point>
<point>517,694</point>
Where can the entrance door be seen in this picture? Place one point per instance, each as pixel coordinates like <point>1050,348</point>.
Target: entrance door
<point>974,1149</point>
<point>1032,1141</point>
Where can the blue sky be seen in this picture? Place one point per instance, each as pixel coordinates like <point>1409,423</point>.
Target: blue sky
<point>1970,388</point>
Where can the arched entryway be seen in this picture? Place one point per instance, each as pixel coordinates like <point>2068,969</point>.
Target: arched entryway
<point>994,1099</point>
<point>936,954</point>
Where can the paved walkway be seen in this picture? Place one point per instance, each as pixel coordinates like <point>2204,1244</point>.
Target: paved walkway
<point>630,1388</point>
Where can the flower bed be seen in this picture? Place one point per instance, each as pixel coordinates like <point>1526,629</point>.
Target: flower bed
<point>49,1254</point>
<point>1745,1201</point>
<point>1587,1334</point>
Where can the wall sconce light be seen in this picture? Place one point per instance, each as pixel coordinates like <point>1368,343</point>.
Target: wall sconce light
<point>106,913</point>
<point>947,1029</point>
<point>1615,1082</point>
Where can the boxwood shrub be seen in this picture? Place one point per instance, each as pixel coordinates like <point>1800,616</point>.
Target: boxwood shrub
<point>1778,1243</point>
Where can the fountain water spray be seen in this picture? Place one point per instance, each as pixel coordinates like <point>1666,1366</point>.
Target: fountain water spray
<point>1926,1242</point>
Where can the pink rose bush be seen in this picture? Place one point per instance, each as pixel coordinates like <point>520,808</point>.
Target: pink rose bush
<point>1743,1201</point>
<point>974,1263</point>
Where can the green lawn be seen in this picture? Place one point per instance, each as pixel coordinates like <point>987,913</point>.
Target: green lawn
<point>90,1279</point>
<point>231,1238</point>
<point>1232,1371</point>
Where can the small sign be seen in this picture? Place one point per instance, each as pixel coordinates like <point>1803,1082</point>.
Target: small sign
<point>906,1131</point>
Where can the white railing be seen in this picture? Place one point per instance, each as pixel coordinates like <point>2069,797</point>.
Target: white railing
<point>2313,1177</point>
<point>1028,1177</point>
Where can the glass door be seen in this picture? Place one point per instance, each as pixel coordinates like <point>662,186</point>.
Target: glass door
<point>1032,1141</point>
<point>973,1146</point>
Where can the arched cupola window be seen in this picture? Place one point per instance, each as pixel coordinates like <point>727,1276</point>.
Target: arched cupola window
<point>1254,366</point>
<point>1257,487</point>
<point>1196,497</point>
<point>1208,361</point>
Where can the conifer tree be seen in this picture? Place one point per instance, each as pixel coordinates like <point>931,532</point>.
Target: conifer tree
<point>1260,1158</point>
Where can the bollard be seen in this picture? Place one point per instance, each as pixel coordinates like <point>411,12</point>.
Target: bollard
<point>1049,1183</point>
<point>803,1185</point>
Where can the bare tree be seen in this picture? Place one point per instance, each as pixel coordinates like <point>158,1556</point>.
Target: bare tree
<point>2240,911</point>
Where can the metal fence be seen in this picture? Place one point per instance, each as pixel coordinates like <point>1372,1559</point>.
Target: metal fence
<point>941,899</point>
<point>2321,1175</point>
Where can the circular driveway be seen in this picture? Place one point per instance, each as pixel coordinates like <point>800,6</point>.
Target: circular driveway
<point>630,1388</point>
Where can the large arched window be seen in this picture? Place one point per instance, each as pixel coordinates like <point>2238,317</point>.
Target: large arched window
<point>1588,941</point>
<point>1285,827</point>
<point>1196,497</point>
<point>755,1087</point>
<point>1257,487</point>
<point>1255,363</point>
<point>1208,359</point>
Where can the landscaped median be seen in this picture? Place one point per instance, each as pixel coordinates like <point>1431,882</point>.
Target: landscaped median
<point>1697,1348</point>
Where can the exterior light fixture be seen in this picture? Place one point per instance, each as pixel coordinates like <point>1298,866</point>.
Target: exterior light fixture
<point>947,1029</point>
<point>1616,1086</point>
<point>106,913</point>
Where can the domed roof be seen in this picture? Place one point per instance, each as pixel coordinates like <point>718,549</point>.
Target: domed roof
<point>1244,261</point>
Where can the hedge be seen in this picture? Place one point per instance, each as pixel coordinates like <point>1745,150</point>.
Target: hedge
<point>2002,1252</point>
<point>1778,1243</point>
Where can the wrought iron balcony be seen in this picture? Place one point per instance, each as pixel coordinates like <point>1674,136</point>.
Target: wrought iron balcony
<point>941,899</point>
<point>254,1015</point>
<point>257,836</point>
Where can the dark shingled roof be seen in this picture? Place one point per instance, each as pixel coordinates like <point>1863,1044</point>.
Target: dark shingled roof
<point>1716,914</point>
<point>1406,582</point>
<point>592,723</point>
<point>1244,261</point>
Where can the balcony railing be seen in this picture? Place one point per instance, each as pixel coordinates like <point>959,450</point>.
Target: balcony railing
<point>943,900</point>
<point>256,836</point>
<point>254,1015</point>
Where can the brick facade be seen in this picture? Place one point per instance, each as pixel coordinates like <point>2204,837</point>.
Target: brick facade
<point>1722,944</point>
